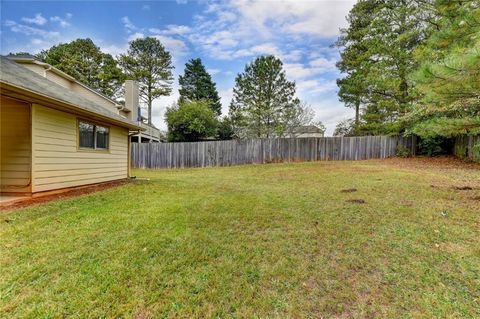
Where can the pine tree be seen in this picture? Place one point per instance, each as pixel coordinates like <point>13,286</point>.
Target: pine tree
<point>355,57</point>
<point>449,73</point>
<point>196,85</point>
<point>377,60</point>
<point>263,99</point>
<point>148,62</point>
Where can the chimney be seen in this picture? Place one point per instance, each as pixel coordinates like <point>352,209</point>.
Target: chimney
<point>132,100</point>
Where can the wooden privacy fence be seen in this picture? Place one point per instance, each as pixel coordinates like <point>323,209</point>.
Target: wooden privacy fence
<point>237,152</point>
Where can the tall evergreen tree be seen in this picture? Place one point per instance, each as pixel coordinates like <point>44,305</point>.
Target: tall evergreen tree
<point>449,73</point>
<point>355,57</point>
<point>377,59</point>
<point>83,60</point>
<point>148,62</point>
<point>263,99</point>
<point>196,84</point>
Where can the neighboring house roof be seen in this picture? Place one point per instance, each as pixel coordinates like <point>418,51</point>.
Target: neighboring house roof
<point>307,129</point>
<point>15,75</point>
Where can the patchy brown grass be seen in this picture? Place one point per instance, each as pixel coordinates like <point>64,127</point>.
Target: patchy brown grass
<point>253,241</point>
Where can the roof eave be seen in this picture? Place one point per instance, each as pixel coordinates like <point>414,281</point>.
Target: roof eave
<point>53,69</point>
<point>65,106</point>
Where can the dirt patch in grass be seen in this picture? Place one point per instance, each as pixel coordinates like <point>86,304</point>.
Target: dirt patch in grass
<point>463,188</point>
<point>348,190</point>
<point>61,194</point>
<point>142,314</point>
<point>477,198</point>
<point>355,201</point>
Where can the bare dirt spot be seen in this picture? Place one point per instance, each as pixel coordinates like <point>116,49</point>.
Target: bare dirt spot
<point>348,190</point>
<point>477,198</point>
<point>463,188</point>
<point>355,201</point>
<point>74,192</point>
<point>142,314</point>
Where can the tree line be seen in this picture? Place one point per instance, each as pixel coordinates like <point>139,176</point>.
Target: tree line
<point>411,67</point>
<point>264,102</point>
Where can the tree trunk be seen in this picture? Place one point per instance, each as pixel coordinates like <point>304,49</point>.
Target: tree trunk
<point>149,110</point>
<point>357,112</point>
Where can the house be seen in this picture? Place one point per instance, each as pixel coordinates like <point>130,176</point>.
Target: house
<point>149,134</point>
<point>57,133</point>
<point>306,131</point>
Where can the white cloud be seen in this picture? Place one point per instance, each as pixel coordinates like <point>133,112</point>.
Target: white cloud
<point>169,37</point>
<point>316,18</point>
<point>330,112</point>
<point>146,7</point>
<point>315,87</point>
<point>37,41</point>
<point>160,105</point>
<point>222,38</point>
<point>299,71</point>
<point>292,56</point>
<point>232,29</point>
<point>62,22</point>
<point>226,97</point>
<point>175,46</point>
<point>30,31</point>
<point>261,49</point>
<point>172,29</point>
<point>134,36</point>
<point>115,50</point>
<point>37,33</point>
<point>315,68</point>
<point>213,71</point>
<point>38,19</point>
<point>324,64</point>
<point>128,24</point>
<point>177,29</point>
<point>155,30</point>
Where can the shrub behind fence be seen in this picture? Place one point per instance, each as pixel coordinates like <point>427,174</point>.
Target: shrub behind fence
<point>237,152</point>
<point>467,146</point>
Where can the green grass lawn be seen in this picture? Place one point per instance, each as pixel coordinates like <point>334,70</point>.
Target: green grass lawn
<point>256,241</point>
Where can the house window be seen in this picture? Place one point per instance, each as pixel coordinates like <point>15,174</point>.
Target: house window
<point>92,136</point>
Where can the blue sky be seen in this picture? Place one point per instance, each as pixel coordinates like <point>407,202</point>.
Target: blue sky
<point>225,35</point>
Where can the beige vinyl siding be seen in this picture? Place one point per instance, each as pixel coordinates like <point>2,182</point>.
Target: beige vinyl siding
<point>15,145</point>
<point>35,68</point>
<point>100,100</point>
<point>59,80</point>
<point>57,161</point>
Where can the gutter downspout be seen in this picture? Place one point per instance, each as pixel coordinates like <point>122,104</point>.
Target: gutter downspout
<point>129,175</point>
